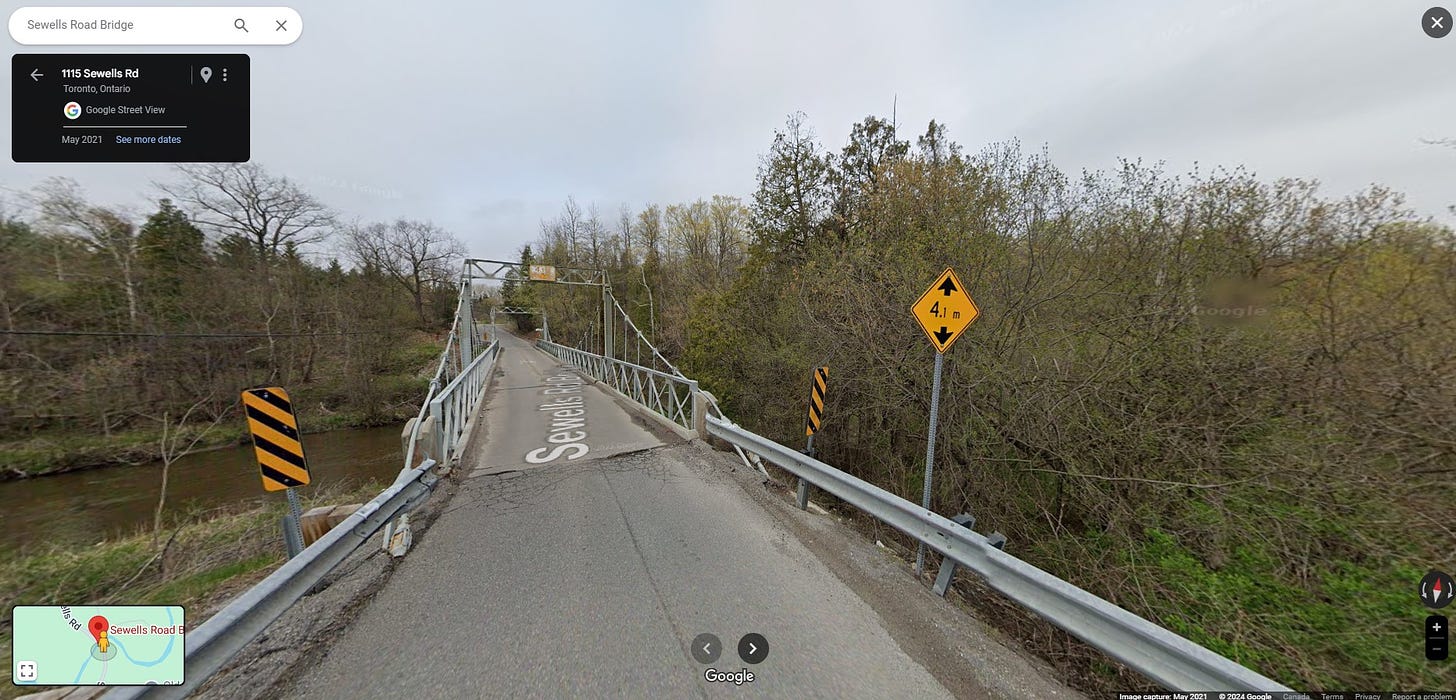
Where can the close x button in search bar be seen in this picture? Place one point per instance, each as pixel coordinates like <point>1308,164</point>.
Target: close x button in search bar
<point>155,26</point>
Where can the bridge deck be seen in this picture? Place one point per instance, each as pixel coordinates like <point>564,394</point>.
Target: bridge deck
<point>591,576</point>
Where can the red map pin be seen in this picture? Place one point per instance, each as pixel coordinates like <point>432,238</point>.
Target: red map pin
<point>98,627</point>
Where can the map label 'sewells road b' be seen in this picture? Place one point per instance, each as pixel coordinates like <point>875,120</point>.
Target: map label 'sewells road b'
<point>589,545</point>
<point>98,645</point>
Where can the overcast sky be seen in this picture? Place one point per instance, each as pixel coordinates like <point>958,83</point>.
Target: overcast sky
<point>484,116</point>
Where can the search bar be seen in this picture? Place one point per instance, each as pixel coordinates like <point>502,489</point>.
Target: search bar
<point>155,26</point>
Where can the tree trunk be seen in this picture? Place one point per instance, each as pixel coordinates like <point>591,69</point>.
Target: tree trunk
<point>167,458</point>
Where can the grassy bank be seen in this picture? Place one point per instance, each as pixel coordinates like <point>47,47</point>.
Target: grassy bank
<point>199,561</point>
<point>323,405</point>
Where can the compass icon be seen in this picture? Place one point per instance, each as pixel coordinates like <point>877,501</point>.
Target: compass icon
<point>1437,589</point>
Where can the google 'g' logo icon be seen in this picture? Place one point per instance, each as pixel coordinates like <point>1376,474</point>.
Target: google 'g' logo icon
<point>73,110</point>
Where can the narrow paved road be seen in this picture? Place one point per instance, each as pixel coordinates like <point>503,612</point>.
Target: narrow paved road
<point>561,571</point>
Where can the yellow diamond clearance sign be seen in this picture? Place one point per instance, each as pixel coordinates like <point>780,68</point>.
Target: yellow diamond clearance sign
<point>945,311</point>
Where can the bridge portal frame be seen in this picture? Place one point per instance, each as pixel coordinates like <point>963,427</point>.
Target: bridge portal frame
<point>505,270</point>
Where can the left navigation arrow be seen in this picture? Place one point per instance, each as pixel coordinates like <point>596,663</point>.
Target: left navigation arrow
<point>706,648</point>
<point>35,74</point>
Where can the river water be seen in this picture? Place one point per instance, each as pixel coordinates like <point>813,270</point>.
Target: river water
<point>89,506</point>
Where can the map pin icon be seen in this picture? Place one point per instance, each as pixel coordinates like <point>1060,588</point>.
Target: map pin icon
<point>206,73</point>
<point>98,627</point>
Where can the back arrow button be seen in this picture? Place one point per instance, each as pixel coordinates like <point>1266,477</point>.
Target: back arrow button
<point>35,74</point>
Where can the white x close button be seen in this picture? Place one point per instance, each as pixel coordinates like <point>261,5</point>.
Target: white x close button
<point>1436,22</point>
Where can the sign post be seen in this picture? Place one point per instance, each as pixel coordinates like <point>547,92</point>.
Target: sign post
<point>944,312</point>
<point>279,451</point>
<point>816,419</point>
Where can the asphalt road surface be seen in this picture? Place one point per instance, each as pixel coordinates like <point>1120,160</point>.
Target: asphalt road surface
<point>589,574</point>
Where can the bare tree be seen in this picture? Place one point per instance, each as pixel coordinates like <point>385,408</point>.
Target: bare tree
<point>624,231</point>
<point>62,203</point>
<point>596,233</point>
<point>171,447</point>
<point>570,227</point>
<point>416,254</point>
<point>729,220</point>
<point>649,233</point>
<point>689,231</point>
<point>243,200</point>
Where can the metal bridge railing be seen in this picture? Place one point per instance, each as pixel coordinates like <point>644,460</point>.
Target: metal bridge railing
<point>671,396</point>
<point>445,371</point>
<point>456,403</point>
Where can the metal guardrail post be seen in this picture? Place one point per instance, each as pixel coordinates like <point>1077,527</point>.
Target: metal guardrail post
<point>467,325</point>
<point>437,443</point>
<point>802,494</point>
<point>700,410</point>
<point>948,565</point>
<point>291,537</point>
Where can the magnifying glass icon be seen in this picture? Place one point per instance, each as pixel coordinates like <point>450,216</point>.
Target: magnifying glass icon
<point>240,24</point>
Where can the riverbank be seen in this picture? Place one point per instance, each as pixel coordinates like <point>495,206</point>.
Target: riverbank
<point>49,454</point>
<point>60,451</point>
<point>198,561</point>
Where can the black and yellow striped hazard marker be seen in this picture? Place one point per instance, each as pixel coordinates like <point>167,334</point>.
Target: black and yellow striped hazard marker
<point>816,401</point>
<point>275,438</point>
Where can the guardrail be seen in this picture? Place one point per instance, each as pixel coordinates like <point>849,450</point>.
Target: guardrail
<point>1161,655</point>
<point>667,395</point>
<point>211,645</point>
